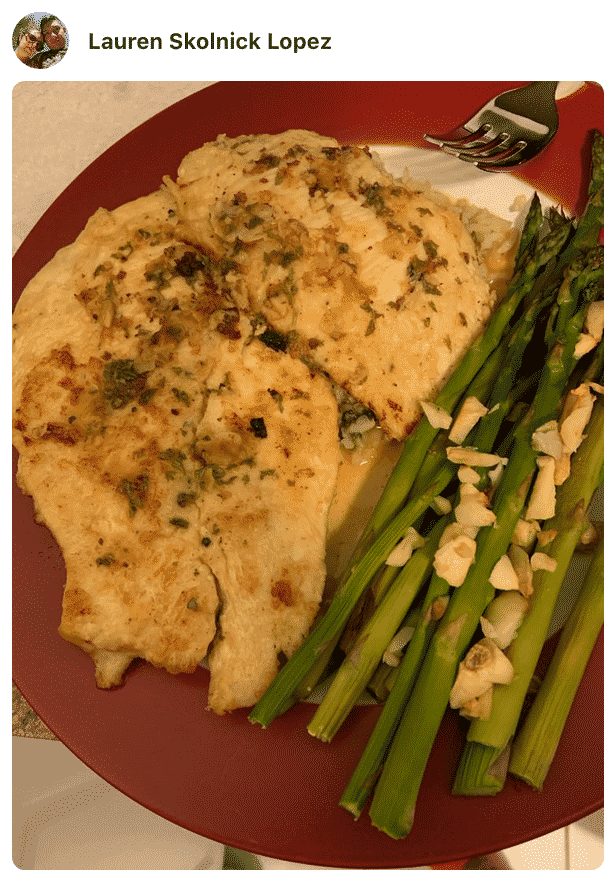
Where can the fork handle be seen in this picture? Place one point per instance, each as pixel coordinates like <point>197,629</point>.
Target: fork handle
<point>521,100</point>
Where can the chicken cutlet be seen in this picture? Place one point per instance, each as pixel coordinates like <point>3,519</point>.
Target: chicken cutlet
<point>371,282</point>
<point>174,456</point>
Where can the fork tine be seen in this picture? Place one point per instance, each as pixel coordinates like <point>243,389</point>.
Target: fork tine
<point>498,161</point>
<point>461,141</point>
<point>508,154</point>
<point>491,147</point>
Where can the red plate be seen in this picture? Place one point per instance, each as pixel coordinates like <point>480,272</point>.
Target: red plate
<point>274,792</point>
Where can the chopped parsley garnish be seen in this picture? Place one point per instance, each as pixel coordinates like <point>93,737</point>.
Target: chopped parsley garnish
<point>268,161</point>
<point>179,522</point>
<point>122,382</point>
<point>184,499</point>
<point>182,396</point>
<point>273,339</point>
<point>135,491</point>
<point>277,396</point>
<point>175,457</point>
<point>374,197</point>
<point>146,396</point>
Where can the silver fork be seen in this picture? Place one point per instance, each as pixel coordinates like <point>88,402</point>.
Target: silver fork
<point>509,130</point>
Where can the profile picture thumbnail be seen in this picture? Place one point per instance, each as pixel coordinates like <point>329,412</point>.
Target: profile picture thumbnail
<point>40,40</point>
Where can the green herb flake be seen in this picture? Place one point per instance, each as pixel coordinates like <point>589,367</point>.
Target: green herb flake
<point>431,249</point>
<point>146,396</point>
<point>267,161</point>
<point>182,396</point>
<point>253,221</point>
<point>122,382</point>
<point>124,252</point>
<point>277,396</point>
<point>268,473</point>
<point>179,522</point>
<point>192,605</point>
<point>175,457</point>
<point>184,499</point>
<point>274,339</point>
<point>135,491</point>
<point>374,197</point>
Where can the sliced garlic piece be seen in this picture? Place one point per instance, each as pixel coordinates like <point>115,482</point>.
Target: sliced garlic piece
<point>547,440</point>
<point>437,417</point>
<point>503,616</point>
<point>489,630</point>
<point>452,560</point>
<point>595,319</point>
<point>577,413</point>
<point>478,707</point>
<point>470,491</point>
<point>467,475</point>
<point>546,536</point>
<point>472,511</point>
<point>542,561</point>
<point>455,529</point>
<point>589,535</point>
<point>562,469</point>
<point>525,533</point>
<point>584,345</point>
<point>484,665</point>
<point>361,424</point>
<point>503,576</point>
<point>471,456</point>
<point>542,503</point>
<point>404,549</point>
<point>471,411</point>
<point>521,564</point>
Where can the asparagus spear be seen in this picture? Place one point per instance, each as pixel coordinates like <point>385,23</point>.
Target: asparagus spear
<point>351,678</point>
<point>365,775</point>
<point>392,809</point>
<point>591,221</point>
<point>359,788</point>
<point>489,738</point>
<point>535,746</point>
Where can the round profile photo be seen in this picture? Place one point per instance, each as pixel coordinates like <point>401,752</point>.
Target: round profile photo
<point>40,40</point>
